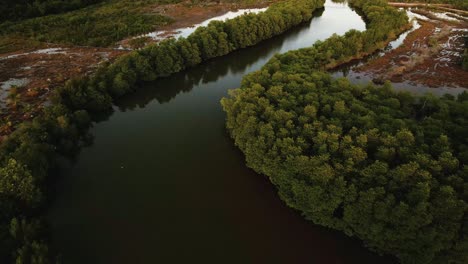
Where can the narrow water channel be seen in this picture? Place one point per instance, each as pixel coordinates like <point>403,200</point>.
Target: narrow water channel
<point>163,182</point>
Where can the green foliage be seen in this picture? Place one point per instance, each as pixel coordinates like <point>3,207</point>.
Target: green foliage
<point>17,184</point>
<point>26,157</point>
<point>31,249</point>
<point>390,168</point>
<point>387,167</point>
<point>97,25</point>
<point>384,23</point>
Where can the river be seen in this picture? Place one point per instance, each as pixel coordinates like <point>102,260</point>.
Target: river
<point>163,182</point>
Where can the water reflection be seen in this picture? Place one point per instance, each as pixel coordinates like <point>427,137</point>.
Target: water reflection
<point>335,18</point>
<point>363,78</point>
<point>164,183</point>
<point>236,63</point>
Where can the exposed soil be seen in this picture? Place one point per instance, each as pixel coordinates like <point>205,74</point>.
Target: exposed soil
<point>47,66</point>
<point>186,15</point>
<point>42,71</point>
<point>447,19</point>
<point>445,7</point>
<point>429,56</point>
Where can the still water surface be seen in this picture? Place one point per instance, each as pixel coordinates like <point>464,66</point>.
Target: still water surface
<point>163,182</point>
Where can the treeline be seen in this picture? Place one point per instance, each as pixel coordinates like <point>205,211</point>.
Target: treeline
<point>384,23</point>
<point>19,9</point>
<point>387,167</point>
<point>28,154</point>
<point>217,39</point>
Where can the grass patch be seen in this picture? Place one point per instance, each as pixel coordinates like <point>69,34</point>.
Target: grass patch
<point>97,25</point>
<point>11,44</point>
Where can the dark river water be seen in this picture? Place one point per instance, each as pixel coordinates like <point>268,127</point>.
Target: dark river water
<point>163,182</point>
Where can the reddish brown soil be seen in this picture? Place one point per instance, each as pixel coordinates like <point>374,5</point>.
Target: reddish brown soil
<point>429,56</point>
<point>186,14</point>
<point>446,7</point>
<point>45,72</point>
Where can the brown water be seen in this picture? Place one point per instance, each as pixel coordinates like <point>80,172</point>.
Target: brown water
<point>163,182</point>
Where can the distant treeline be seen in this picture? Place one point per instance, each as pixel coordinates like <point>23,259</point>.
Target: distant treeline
<point>20,9</point>
<point>390,168</point>
<point>384,23</point>
<point>28,154</point>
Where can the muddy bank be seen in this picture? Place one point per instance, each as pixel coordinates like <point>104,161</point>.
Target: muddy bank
<point>428,53</point>
<point>187,15</point>
<point>445,7</point>
<point>40,72</point>
<point>397,4</point>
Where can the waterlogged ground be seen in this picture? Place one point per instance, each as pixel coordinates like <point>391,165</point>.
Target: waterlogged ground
<point>186,31</point>
<point>163,183</point>
<point>433,48</point>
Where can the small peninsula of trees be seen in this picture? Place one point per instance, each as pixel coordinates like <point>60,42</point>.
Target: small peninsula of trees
<point>387,167</point>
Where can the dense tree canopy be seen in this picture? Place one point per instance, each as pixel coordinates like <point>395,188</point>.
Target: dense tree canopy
<point>25,159</point>
<point>385,166</point>
<point>96,25</point>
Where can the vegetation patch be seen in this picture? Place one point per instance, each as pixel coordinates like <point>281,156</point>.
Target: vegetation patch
<point>385,166</point>
<point>98,25</point>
